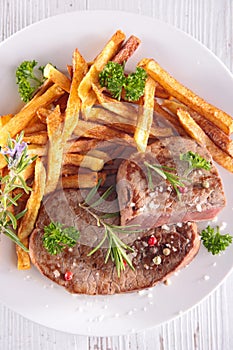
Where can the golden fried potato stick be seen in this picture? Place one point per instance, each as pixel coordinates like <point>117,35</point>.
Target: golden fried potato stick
<point>84,161</point>
<point>108,52</point>
<point>39,138</point>
<point>215,134</point>
<point>23,259</point>
<point>21,119</point>
<point>57,77</point>
<point>74,103</point>
<point>145,117</point>
<point>100,132</point>
<point>37,150</point>
<point>172,119</point>
<point>33,204</point>
<point>195,131</point>
<point>127,50</point>
<point>82,180</point>
<point>122,124</point>
<point>42,113</point>
<point>124,109</point>
<point>4,119</point>
<point>188,97</point>
<point>55,149</point>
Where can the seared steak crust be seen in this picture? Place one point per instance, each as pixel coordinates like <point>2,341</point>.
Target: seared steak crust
<point>201,199</point>
<point>174,247</point>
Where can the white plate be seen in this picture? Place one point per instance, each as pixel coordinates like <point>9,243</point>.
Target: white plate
<point>31,294</point>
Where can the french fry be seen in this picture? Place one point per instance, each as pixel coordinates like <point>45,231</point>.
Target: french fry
<point>99,154</point>
<point>55,149</point>
<point>115,121</point>
<point>74,102</point>
<point>37,150</point>
<point>215,134</point>
<point>160,92</point>
<point>34,128</point>
<point>145,118</point>
<point>42,114</point>
<point>127,50</point>
<point>33,204</point>
<point>123,109</point>
<point>44,87</point>
<point>195,131</point>
<point>188,97</point>
<point>21,119</point>
<point>4,119</point>
<point>81,180</point>
<point>84,161</point>
<point>23,259</point>
<point>39,138</point>
<point>108,52</point>
<point>100,132</point>
<point>172,119</point>
<point>57,77</point>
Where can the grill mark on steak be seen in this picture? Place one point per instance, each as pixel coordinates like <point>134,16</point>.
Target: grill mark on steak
<point>161,206</point>
<point>90,274</point>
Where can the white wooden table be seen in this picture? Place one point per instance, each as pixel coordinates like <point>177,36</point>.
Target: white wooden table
<point>209,325</point>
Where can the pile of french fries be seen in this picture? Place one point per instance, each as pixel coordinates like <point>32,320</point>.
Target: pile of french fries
<point>76,129</point>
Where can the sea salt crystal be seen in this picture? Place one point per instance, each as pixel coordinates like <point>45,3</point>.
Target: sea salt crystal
<point>206,278</point>
<point>165,227</point>
<point>223,225</point>
<point>56,273</point>
<point>199,208</point>
<point>141,292</point>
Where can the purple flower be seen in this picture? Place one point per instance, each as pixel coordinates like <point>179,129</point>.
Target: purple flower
<point>16,152</point>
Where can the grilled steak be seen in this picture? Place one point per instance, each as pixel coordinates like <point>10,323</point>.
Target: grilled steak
<point>201,198</point>
<point>157,252</point>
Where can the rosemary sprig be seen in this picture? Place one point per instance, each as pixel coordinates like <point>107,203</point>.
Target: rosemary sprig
<point>117,250</point>
<point>167,173</point>
<point>15,154</point>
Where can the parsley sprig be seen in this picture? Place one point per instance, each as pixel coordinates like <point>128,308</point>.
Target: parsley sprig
<point>29,79</point>
<point>113,78</point>
<point>195,161</point>
<point>117,250</point>
<point>167,173</point>
<point>15,154</point>
<point>56,238</point>
<point>214,241</point>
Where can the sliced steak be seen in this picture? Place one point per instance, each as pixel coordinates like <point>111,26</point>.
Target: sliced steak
<point>202,198</point>
<point>174,247</point>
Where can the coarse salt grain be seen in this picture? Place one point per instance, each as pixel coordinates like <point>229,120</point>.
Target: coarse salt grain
<point>165,227</point>
<point>199,208</point>
<point>223,225</point>
<point>206,278</point>
<point>56,273</point>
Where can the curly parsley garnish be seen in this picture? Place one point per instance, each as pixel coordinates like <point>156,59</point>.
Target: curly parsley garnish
<point>195,161</point>
<point>15,154</point>
<point>214,241</point>
<point>56,238</point>
<point>113,78</point>
<point>29,79</point>
<point>117,250</point>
